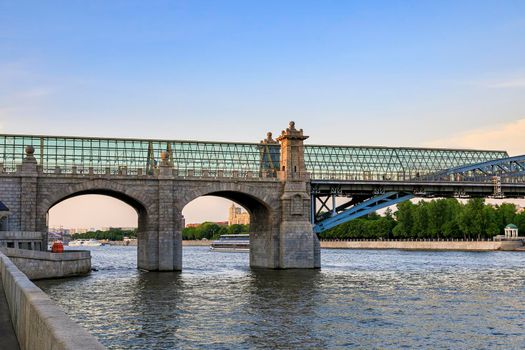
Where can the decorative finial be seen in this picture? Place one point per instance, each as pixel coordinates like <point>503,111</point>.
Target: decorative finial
<point>30,151</point>
<point>292,125</point>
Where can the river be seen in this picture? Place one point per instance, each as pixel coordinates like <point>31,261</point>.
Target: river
<point>360,298</point>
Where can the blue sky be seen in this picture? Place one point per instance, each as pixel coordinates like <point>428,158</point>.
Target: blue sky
<point>413,73</point>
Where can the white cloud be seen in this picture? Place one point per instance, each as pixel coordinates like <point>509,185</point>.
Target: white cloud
<point>507,84</point>
<point>508,137</point>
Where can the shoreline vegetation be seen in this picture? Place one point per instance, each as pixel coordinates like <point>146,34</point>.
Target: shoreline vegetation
<point>207,230</point>
<point>439,220</point>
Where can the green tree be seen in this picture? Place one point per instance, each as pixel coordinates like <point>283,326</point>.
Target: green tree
<point>471,219</point>
<point>405,220</point>
<point>505,214</point>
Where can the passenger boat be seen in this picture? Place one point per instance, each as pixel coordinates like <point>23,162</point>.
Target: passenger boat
<point>84,243</point>
<point>232,243</point>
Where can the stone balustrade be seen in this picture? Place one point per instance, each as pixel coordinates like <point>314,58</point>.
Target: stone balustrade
<point>37,321</point>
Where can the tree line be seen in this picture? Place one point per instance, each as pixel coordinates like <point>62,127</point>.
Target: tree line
<point>113,234</point>
<point>436,219</point>
<point>211,230</point>
<point>208,230</point>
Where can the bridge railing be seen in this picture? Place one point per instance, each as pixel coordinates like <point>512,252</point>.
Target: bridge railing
<point>365,177</point>
<point>413,177</point>
<point>75,170</point>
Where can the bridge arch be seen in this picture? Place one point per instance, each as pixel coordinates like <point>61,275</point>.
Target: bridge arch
<point>263,207</point>
<point>52,194</point>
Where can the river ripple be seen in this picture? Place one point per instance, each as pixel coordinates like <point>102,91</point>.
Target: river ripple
<point>360,298</point>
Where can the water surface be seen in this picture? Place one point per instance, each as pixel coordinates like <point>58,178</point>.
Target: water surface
<point>360,298</point>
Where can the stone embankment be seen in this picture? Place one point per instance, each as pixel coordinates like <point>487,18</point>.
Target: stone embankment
<point>423,245</point>
<point>38,265</point>
<point>133,242</point>
<point>37,321</point>
<point>196,243</point>
<point>125,243</point>
<point>406,245</point>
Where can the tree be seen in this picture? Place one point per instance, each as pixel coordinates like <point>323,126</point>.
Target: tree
<point>471,219</point>
<point>405,220</point>
<point>505,214</point>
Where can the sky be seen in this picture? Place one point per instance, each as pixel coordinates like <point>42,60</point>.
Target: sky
<point>395,73</point>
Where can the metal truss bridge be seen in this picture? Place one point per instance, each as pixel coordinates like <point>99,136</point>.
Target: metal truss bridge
<point>369,178</point>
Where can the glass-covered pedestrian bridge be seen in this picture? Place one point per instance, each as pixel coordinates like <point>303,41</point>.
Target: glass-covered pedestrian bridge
<point>229,159</point>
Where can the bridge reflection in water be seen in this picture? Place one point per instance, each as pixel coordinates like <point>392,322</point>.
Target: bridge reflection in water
<point>290,189</point>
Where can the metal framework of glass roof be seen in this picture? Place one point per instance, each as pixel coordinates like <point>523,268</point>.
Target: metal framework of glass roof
<point>103,155</point>
<point>387,163</point>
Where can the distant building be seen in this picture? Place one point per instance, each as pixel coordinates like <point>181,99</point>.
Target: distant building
<point>237,216</point>
<point>511,233</point>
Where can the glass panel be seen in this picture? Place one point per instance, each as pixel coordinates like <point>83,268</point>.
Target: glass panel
<point>229,159</point>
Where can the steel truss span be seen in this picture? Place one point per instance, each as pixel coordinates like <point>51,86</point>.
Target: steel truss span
<point>196,158</point>
<point>353,163</point>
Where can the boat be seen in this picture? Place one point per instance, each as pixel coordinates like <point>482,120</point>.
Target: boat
<point>84,243</point>
<point>232,243</point>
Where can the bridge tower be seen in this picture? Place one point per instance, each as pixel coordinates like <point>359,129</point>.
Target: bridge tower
<point>298,245</point>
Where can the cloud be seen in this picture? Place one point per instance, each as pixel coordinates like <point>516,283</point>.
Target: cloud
<point>508,137</point>
<point>509,80</point>
<point>507,84</point>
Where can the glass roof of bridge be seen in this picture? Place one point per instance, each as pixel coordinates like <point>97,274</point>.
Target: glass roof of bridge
<point>323,162</point>
<point>386,163</point>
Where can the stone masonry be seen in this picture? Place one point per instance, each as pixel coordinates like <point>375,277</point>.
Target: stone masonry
<point>279,207</point>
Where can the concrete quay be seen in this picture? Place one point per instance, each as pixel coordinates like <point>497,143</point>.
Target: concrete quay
<point>406,245</point>
<point>425,245</point>
<point>196,242</point>
<point>40,264</point>
<point>37,322</point>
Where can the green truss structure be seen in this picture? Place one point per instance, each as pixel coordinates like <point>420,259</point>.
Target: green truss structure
<point>387,163</point>
<point>198,158</point>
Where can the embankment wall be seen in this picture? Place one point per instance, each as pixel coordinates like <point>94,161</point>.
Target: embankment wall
<point>423,245</point>
<point>39,324</point>
<point>38,265</point>
<point>196,243</point>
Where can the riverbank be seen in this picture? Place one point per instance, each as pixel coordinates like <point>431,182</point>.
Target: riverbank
<point>409,245</point>
<point>37,322</point>
<point>425,245</point>
<point>38,265</point>
<point>403,245</point>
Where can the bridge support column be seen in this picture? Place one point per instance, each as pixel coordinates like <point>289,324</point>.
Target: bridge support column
<point>29,220</point>
<point>160,249</point>
<point>298,244</point>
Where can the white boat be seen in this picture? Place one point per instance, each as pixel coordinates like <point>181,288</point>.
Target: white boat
<point>84,243</point>
<point>232,243</point>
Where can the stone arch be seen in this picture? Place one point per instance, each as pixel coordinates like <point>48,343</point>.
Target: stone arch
<point>263,206</point>
<point>53,193</point>
<point>244,194</point>
<point>57,193</point>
